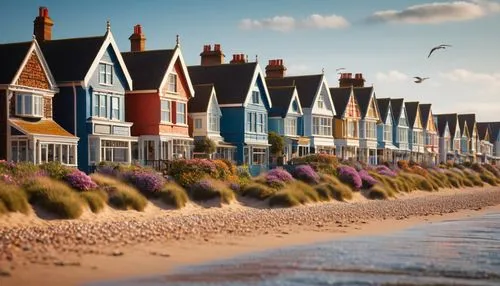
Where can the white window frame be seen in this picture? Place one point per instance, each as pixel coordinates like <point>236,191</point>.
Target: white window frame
<point>180,114</point>
<point>213,122</point>
<point>105,73</point>
<point>321,102</point>
<point>260,123</point>
<point>322,126</point>
<point>387,133</point>
<point>371,132</point>
<point>100,106</point>
<point>36,101</point>
<point>105,149</point>
<point>260,154</point>
<point>166,114</point>
<point>172,82</point>
<point>115,108</point>
<point>291,126</point>
<point>255,97</point>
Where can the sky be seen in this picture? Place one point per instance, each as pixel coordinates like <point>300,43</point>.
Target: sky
<point>386,40</point>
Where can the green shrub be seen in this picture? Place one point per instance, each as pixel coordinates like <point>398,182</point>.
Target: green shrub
<point>55,197</point>
<point>24,170</point>
<point>377,192</point>
<point>96,200</point>
<point>14,199</point>
<point>257,191</point>
<point>56,170</point>
<point>174,195</point>
<point>121,195</point>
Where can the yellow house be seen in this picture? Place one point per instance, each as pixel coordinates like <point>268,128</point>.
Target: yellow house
<point>346,123</point>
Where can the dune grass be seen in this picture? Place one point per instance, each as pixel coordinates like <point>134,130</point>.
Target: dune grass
<point>337,190</point>
<point>96,200</point>
<point>377,192</point>
<point>473,177</point>
<point>257,191</point>
<point>489,178</point>
<point>208,189</point>
<point>14,199</point>
<point>295,193</point>
<point>55,197</point>
<point>466,182</point>
<point>121,196</point>
<point>420,182</point>
<point>174,195</point>
<point>3,208</point>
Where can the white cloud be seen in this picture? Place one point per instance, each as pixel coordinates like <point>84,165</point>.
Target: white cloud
<point>287,23</point>
<point>438,12</point>
<point>391,76</point>
<point>466,76</point>
<point>325,22</point>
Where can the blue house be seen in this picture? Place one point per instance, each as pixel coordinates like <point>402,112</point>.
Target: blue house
<point>285,118</point>
<point>385,131</point>
<point>400,130</point>
<point>415,131</point>
<point>92,80</point>
<point>244,102</point>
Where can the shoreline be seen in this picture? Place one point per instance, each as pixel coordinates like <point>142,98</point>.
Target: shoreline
<point>214,234</point>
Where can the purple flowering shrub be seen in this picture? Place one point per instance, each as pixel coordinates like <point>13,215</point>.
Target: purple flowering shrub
<point>386,171</point>
<point>188,172</point>
<point>7,179</point>
<point>146,181</point>
<point>366,180</point>
<point>80,181</point>
<point>278,178</point>
<point>350,176</point>
<point>306,174</point>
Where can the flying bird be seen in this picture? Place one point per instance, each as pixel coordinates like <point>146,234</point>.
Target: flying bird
<point>339,69</point>
<point>420,79</point>
<point>442,46</point>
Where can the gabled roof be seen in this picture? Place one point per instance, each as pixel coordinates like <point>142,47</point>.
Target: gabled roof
<point>71,59</point>
<point>483,129</point>
<point>308,86</point>
<point>471,121</point>
<point>232,81</point>
<point>148,68</point>
<point>11,58</point>
<point>396,108</point>
<point>340,98</point>
<point>363,96</point>
<point>383,108</point>
<point>281,97</point>
<point>450,119</point>
<point>425,112</point>
<point>200,102</point>
<point>462,124</point>
<point>411,112</point>
<point>74,60</point>
<point>495,130</point>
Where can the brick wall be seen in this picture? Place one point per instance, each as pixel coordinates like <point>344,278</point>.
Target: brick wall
<point>33,74</point>
<point>47,107</point>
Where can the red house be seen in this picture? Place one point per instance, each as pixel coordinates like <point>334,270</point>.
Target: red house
<point>158,104</point>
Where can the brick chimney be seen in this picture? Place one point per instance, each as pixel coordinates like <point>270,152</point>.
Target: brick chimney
<point>346,80</point>
<point>211,57</point>
<point>275,69</point>
<point>42,28</point>
<point>137,40</point>
<point>239,59</point>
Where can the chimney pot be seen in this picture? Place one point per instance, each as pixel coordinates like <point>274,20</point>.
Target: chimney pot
<point>217,47</point>
<point>42,28</point>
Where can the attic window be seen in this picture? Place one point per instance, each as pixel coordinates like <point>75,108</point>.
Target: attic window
<point>106,73</point>
<point>295,106</point>
<point>172,82</point>
<point>321,102</point>
<point>255,97</point>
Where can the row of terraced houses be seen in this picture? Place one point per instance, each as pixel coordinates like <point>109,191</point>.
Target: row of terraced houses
<point>81,101</point>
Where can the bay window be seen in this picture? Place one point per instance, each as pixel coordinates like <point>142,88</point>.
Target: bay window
<point>403,135</point>
<point>259,156</point>
<point>115,108</point>
<point>114,151</point>
<point>352,129</point>
<point>29,105</point>
<point>291,126</point>
<point>260,123</point>
<point>165,110</point>
<point>100,105</point>
<point>181,113</point>
<point>387,133</point>
<point>322,126</point>
<point>213,122</point>
<point>53,152</point>
<point>371,130</point>
<point>181,148</point>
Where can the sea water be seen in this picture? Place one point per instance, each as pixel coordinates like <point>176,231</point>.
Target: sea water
<point>453,252</point>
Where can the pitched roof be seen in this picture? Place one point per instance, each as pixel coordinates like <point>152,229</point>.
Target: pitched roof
<point>280,98</point>
<point>11,58</point>
<point>71,59</point>
<point>396,108</point>
<point>425,112</point>
<point>231,81</point>
<point>40,127</point>
<point>148,68</point>
<point>383,107</point>
<point>442,120</point>
<point>307,86</point>
<point>199,103</point>
<point>363,96</point>
<point>411,112</point>
<point>340,98</point>
<point>471,121</point>
<point>482,129</point>
<point>495,130</point>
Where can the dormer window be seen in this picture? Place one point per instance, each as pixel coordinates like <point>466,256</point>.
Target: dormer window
<point>295,106</point>
<point>29,105</point>
<point>321,102</point>
<point>172,82</point>
<point>106,73</point>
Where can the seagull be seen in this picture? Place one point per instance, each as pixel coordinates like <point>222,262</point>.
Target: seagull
<point>442,46</point>
<point>339,69</point>
<point>420,79</point>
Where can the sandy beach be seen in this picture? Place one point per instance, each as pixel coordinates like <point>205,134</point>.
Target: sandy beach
<point>119,245</point>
